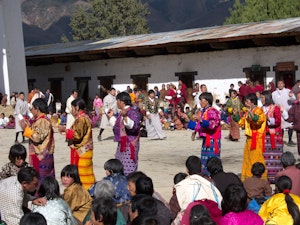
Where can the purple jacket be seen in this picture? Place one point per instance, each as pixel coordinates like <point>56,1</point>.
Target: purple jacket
<point>246,217</point>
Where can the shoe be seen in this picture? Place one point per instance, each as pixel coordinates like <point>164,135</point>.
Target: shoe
<point>99,138</point>
<point>291,143</point>
<point>16,142</point>
<point>25,141</point>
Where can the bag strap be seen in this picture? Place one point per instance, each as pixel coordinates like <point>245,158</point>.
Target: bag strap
<point>197,187</point>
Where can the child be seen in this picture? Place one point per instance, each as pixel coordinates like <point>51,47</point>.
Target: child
<point>257,188</point>
<point>17,156</point>
<point>75,194</point>
<point>11,122</point>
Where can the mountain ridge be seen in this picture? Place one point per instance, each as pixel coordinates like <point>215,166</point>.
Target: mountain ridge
<point>45,21</point>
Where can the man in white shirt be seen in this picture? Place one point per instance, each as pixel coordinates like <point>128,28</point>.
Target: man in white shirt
<point>13,195</point>
<point>284,97</point>
<point>70,117</point>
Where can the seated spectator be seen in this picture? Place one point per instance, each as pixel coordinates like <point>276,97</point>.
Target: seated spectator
<point>178,125</point>
<point>75,194</point>
<point>94,119</point>
<point>54,120</point>
<point>174,206</point>
<point>17,157</point>
<point>288,162</point>
<point>200,215</point>
<point>104,212</point>
<point>144,185</point>
<point>3,120</point>
<point>33,218</point>
<point>195,186</point>
<point>258,189</point>
<point>11,122</point>
<point>255,186</point>
<point>13,195</point>
<point>56,211</point>
<point>283,207</point>
<point>63,118</point>
<point>105,189</point>
<point>142,206</point>
<point>234,208</point>
<point>221,179</point>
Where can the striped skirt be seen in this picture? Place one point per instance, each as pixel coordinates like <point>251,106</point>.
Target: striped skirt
<point>85,167</point>
<point>209,152</point>
<point>272,156</point>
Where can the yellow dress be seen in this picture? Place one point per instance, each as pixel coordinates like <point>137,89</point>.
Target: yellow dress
<point>275,209</point>
<point>255,134</point>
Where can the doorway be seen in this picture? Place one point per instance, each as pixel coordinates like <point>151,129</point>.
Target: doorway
<point>286,71</point>
<point>141,81</point>
<point>106,83</point>
<point>55,88</point>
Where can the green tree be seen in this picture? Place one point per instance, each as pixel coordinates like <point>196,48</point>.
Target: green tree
<point>106,18</point>
<point>262,10</point>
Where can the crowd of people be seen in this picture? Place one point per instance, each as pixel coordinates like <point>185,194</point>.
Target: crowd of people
<point>205,195</point>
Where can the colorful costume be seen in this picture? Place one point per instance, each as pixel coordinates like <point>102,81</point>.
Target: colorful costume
<point>41,146</point>
<point>293,114</point>
<point>246,217</point>
<point>211,129</point>
<point>128,140</point>
<point>273,141</point>
<point>255,127</point>
<point>234,103</point>
<point>82,148</point>
<point>10,169</point>
<point>153,125</point>
<point>275,209</point>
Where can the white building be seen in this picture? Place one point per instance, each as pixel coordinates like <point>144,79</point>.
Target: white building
<point>13,70</point>
<point>216,56</point>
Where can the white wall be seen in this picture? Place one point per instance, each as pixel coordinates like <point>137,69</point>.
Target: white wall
<point>216,69</point>
<point>12,58</point>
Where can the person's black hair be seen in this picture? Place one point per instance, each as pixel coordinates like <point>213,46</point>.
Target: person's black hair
<point>214,166</point>
<point>194,165</point>
<point>145,205</point>
<point>252,97</point>
<point>144,185</point>
<point>105,210</point>
<point>234,91</point>
<point>17,151</point>
<point>124,97</point>
<point>268,97</point>
<point>40,104</point>
<point>111,89</point>
<point>49,188</point>
<point>145,220</point>
<point>78,102</point>
<point>171,105</point>
<point>27,174</point>
<point>33,218</point>
<point>200,215</point>
<point>71,171</point>
<point>21,93</point>
<point>114,166</point>
<point>258,169</point>
<point>284,183</point>
<point>151,92</point>
<point>207,96</point>
<point>134,176</point>
<point>74,90</point>
<point>234,199</point>
<point>287,159</point>
<point>179,177</point>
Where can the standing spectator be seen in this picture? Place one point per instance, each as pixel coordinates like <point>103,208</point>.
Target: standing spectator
<point>254,122</point>
<point>283,207</point>
<point>242,91</point>
<point>271,87</point>
<point>293,116</point>
<point>234,103</point>
<point>153,124</point>
<point>296,87</point>
<point>97,104</point>
<point>70,117</point>
<point>126,132</point>
<point>49,98</point>
<point>41,140</point>
<point>234,208</point>
<point>288,162</point>
<point>4,101</point>
<point>156,92</point>
<point>13,99</point>
<point>182,87</point>
<point>109,103</point>
<point>81,143</point>
<point>13,195</point>
<point>37,94</point>
<point>210,121</point>
<point>21,110</point>
<point>282,97</point>
<point>273,139</point>
<point>231,88</point>
<point>163,92</point>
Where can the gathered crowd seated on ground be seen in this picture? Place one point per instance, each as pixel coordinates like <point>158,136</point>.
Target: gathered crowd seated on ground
<point>206,194</point>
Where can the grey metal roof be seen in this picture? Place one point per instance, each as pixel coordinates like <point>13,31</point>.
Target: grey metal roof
<point>207,35</point>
